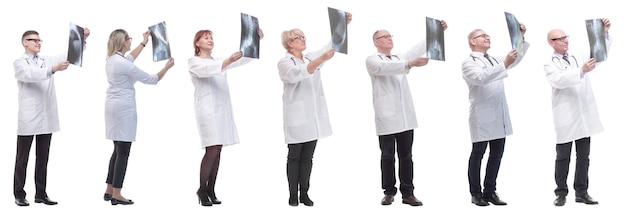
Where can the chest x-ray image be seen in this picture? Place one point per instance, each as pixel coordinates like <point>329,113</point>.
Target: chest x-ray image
<point>597,44</point>
<point>338,30</point>
<point>160,43</point>
<point>75,45</point>
<point>249,44</point>
<point>435,48</point>
<point>517,40</point>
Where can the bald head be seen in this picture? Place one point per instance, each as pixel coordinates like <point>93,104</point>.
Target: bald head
<point>558,40</point>
<point>555,33</point>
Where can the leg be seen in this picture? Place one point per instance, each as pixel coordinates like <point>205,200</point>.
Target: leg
<point>306,166</point>
<point>108,193</point>
<point>496,150</point>
<point>581,174</point>
<point>561,168</point>
<point>122,151</point>
<point>21,162</point>
<point>206,168</point>
<point>293,171</point>
<point>405,162</point>
<point>475,161</point>
<point>42,151</point>
<point>387,144</point>
<point>213,175</point>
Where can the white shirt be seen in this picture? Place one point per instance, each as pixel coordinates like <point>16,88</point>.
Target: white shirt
<point>305,114</point>
<point>37,102</point>
<point>393,103</point>
<point>120,106</point>
<point>489,112</point>
<point>213,109</point>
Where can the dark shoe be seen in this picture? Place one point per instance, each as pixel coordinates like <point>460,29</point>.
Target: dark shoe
<point>493,198</point>
<point>203,199</point>
<point>387,200</point>
<point>293,200</point>
<point>107,197</point>
<point>411,200</point>
<point>21,202</point>
<point>214,200</point>
<point>560,200</point>
<point>585,198</point>
<point>479,201</point>
<point>306,200</point>
<point>45,200</point>
<point>121,202</point>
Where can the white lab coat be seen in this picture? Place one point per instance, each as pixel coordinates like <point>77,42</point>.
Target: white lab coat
<point>120,111</point>
<point>489,112</point>
<point>37,102</point>
<point>574,109</point>
<point>305,114</point>
<point>393,103</point>
<point>214,112</point>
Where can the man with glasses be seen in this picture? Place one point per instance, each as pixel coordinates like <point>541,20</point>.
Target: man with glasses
<point>489,119</point>
<point>574,111</point>
<point>38,114</point>
<point>394,112</point>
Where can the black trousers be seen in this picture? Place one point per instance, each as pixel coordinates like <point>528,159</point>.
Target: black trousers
<point>42,152</point>
<point>402,143</point>
<point>118,163</point>
<point>299,166</point>
<point>496,150</point>
<point>581,175</point>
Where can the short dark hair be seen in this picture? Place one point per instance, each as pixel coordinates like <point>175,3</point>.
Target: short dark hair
<point>29,32</point>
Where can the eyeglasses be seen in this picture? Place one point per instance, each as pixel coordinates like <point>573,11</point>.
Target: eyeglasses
<point>36,40</point>
<point>560,38</point>
<point>301,37</point>
<point>485,36</point>
<point>129,39</point>
<point>385,36</point>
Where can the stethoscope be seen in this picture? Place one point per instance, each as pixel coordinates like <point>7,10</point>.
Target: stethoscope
<point>42,65</point>
<point>294,60</point>
<point>494,59</point>
<point>561,64</point>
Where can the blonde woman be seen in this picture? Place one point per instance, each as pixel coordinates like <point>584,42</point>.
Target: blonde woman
<point>120,107</point>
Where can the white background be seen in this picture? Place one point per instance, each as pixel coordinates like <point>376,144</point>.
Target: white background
<point>164,163</point>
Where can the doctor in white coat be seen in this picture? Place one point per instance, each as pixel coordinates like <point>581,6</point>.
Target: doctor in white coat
<point>394,112</point>
<point>489,119</point>
<point>120,106</point>
<point>37,113</point>
<point>575,113</point>
<point>213,109</point>
<point>305,114</point>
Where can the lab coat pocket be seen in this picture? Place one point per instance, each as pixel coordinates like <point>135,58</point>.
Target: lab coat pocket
<point>562,115</point>
<point>295,114</point>
<point>27,111</point>
<point>485,116</point>
<point>385,106</point>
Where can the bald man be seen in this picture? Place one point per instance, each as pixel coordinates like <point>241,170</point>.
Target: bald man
<point>574,110</point>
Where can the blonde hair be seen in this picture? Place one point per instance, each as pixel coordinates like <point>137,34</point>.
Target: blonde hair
<point>471,36</point>
<point>289,35</point>
<point>116,41</point>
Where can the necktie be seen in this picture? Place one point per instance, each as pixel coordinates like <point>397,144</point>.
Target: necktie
<point>565,58</point>
<point>36,59</point>
<point>388,56</point>
<point>488,59</point>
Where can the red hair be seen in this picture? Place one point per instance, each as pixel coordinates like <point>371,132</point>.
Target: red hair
<point>198,36</point>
